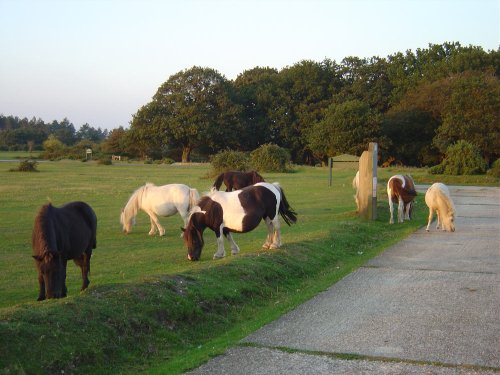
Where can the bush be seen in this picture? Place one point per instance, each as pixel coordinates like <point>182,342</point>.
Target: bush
<point>270,158</point>
<point>462,158</point>
<point>229,161</point>
<point>495,169</point>
<point>26,166</point>
<point>104,161</point>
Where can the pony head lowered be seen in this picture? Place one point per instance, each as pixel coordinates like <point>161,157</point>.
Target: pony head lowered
<point>239,211</point>
<point>438,199</point>
<point>193,233</point>
<point>60,234</point>
<point>128,214</point>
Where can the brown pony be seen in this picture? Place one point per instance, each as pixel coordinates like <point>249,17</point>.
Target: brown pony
<point>235,180</point>
<point>59,234</point>
<point>401,189</point>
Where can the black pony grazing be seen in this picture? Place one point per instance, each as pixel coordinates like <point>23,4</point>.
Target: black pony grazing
<point>237,180</point>
<point>239,211</point>
<point>59,234</point>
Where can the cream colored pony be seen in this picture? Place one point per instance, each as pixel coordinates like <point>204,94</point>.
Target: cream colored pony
<point>156,201</point>
<point>355,186</point>
<point>438,199</point>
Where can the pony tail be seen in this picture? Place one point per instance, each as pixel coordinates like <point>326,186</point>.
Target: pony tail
<point>218,181</point>
<point>286,212</point>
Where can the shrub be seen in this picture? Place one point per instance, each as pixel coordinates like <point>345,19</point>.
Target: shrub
<point>462,158</point>
<point>495,169</point>
<point>270,158</point>
<point>104,161</point>
<point>229,160</point>
<point>26,166</point>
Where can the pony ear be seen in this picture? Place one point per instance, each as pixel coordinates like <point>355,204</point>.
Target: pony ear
<point>37,257</point>
<point>183,229</point>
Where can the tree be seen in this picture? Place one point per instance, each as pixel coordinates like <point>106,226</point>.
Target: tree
<point>345,128</point>
<point>91,134</point>
<point>256,93</point>
<point>192,109</point>
<point>116,143</point>
<point>472,114</point>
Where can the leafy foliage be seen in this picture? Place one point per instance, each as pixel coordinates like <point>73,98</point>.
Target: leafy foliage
<point>26,166</point>
<point>462,158</point>
<point>270,158</point>
<point>229,160</point>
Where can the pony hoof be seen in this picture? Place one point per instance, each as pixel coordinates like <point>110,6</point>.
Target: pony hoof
<point>266,246</point>
<point>218,256</point>
<point>273,247</point>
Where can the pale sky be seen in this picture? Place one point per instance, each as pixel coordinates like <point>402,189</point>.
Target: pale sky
<point>99,61</point>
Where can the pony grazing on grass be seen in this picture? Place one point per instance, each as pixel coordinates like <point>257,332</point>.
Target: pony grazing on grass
<point>59,234</point>
<point>401,189</point>
<point>237,180</point>
<point>156,201</point>
<point>438,199</point>
<point>239,211</point>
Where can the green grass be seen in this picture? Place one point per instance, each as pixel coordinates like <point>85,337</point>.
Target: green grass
<point>150,310</point>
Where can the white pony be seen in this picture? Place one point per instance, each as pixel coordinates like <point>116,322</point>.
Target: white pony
<point>157,201</point>
<point>355,186</point>
<point>438,199</point>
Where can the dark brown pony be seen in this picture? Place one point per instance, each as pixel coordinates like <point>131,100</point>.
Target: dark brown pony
<point>59,234</point>
<point>235,180</point>
<point>401,189</point>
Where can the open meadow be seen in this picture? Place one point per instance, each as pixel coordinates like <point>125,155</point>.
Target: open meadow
<point>148,309</point>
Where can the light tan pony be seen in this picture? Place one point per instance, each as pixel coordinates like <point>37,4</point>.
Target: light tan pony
<point>438,199</point>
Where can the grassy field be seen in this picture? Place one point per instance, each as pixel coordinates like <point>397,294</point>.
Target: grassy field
<point>150,310</point>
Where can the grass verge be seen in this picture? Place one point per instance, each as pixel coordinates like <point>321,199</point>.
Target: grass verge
<point>175,322</point>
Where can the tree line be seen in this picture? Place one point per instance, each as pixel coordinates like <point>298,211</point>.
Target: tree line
<point>414,104</point>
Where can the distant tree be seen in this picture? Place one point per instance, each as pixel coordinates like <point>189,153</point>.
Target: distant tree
<point>89,133</point>
<point>410,133</point>
<point>192,109</point>
<point>345,128</point>
<point>116,142</point>
<point>256,93</point>
<point>64,131</point>
<point>472,114</point>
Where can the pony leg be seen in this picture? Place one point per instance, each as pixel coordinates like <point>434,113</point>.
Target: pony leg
<point>429,220</point>
<point>400,210</point>
<point>439,223</point>
<point>235,249</point>
<point>41,284</point>
<point>269,238</point>
<point>276,233</point>
<point>407,211</point>
<point>84,263</point>
<point>391,210</point>
<point>155,222</point>
<point>221,253</point>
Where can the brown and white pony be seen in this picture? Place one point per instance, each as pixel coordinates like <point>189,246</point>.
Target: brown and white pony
<point>438,199</point>
<point>60,234</point>
<point>235,180</point>
<point>238,211</point>
<point>401,189</point>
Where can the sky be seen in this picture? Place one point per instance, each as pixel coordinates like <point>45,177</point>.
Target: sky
<point>99,61</point>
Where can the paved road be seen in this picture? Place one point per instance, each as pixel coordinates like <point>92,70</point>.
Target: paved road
<point>428,305</point>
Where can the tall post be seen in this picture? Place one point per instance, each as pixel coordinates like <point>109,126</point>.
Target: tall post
<point>368,183</point>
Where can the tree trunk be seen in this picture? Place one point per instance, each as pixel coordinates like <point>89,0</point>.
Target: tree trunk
<point>186,154</point>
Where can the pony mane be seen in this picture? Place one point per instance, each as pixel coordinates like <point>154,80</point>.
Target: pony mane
<point>450,207</point>
<point>42,233</point>
<point>133,202</point>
